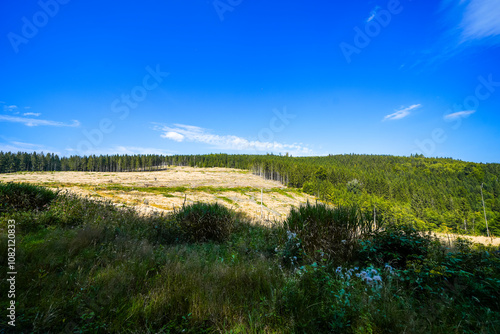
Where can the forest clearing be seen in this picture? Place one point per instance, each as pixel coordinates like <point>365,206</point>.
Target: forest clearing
<point>174,187</point>
<point>165,190</point>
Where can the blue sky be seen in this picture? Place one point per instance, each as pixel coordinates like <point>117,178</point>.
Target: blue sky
<point>240,76</point>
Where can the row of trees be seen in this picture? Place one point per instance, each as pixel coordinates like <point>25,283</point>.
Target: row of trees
<point>440,192</point>
<point>36,162</point>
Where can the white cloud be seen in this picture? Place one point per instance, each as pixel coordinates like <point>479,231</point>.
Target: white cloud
<point>32,114</point>
<point>173,135</point>
<point>181,132</point>
<point>37,122</point>
<point>9,108</point>
<point>402,113</point>
<point>459,114</point>
<point>481,19</point>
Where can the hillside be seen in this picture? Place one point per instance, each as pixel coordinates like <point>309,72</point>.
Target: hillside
<point>440,194</point>
<point>169,189</point>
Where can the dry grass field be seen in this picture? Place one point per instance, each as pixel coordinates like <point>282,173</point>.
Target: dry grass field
<point>168,189</point>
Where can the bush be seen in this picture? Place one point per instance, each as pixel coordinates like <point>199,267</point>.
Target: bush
<point>203,222</point>
<point>396,246</point>
<point>24,197</point>
<point>320,230</point>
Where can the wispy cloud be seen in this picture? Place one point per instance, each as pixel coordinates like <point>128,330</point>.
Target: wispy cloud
<point>37,122</point>
<point>16,146</point>
<point>32,114</point>
<point>10,108</point>
<point>189,133</point>
<point>459,114</point>
<point>401,113</point>
<point>481,19</point>
<point>373,13</point>
<point>471,21</point>
<point>466,24</point>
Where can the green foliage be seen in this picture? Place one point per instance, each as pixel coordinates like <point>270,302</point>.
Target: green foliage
<point>321,173</point>
<point>201,222</point>
<point>469,273</point>
<point>24,197</point>
<point>308,188</point>
<point>394,245</point>
<point>91,267</point>
<point>321,229</point>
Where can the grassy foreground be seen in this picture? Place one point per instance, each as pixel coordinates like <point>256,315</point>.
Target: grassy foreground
<point>90,267</point>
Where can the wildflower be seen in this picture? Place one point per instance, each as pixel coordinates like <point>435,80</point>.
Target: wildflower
<point>343,241</point>
<point>374,271</point>
<point>377,278</point>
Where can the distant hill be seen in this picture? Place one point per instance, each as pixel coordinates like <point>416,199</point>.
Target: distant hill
<point>434,193</point>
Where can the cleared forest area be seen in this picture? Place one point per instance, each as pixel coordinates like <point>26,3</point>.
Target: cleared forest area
<point>174,187</point>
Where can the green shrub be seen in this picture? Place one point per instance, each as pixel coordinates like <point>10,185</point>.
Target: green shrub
<point>24,197</point>
<point>203,222</point>
<point>395,245</point>
<point>320,230</point>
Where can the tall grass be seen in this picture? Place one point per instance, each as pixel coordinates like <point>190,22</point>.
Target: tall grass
<point>94,268</point>
<point>333,232</point>
<point>24,197</point>
<point>203,222</point>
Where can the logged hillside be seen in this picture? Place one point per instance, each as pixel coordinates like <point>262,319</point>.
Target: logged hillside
<point>436,193</point>
<point>169,189</point>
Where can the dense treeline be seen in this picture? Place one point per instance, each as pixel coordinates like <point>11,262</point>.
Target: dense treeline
<point>40,162</point>
<point>438,193</point>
